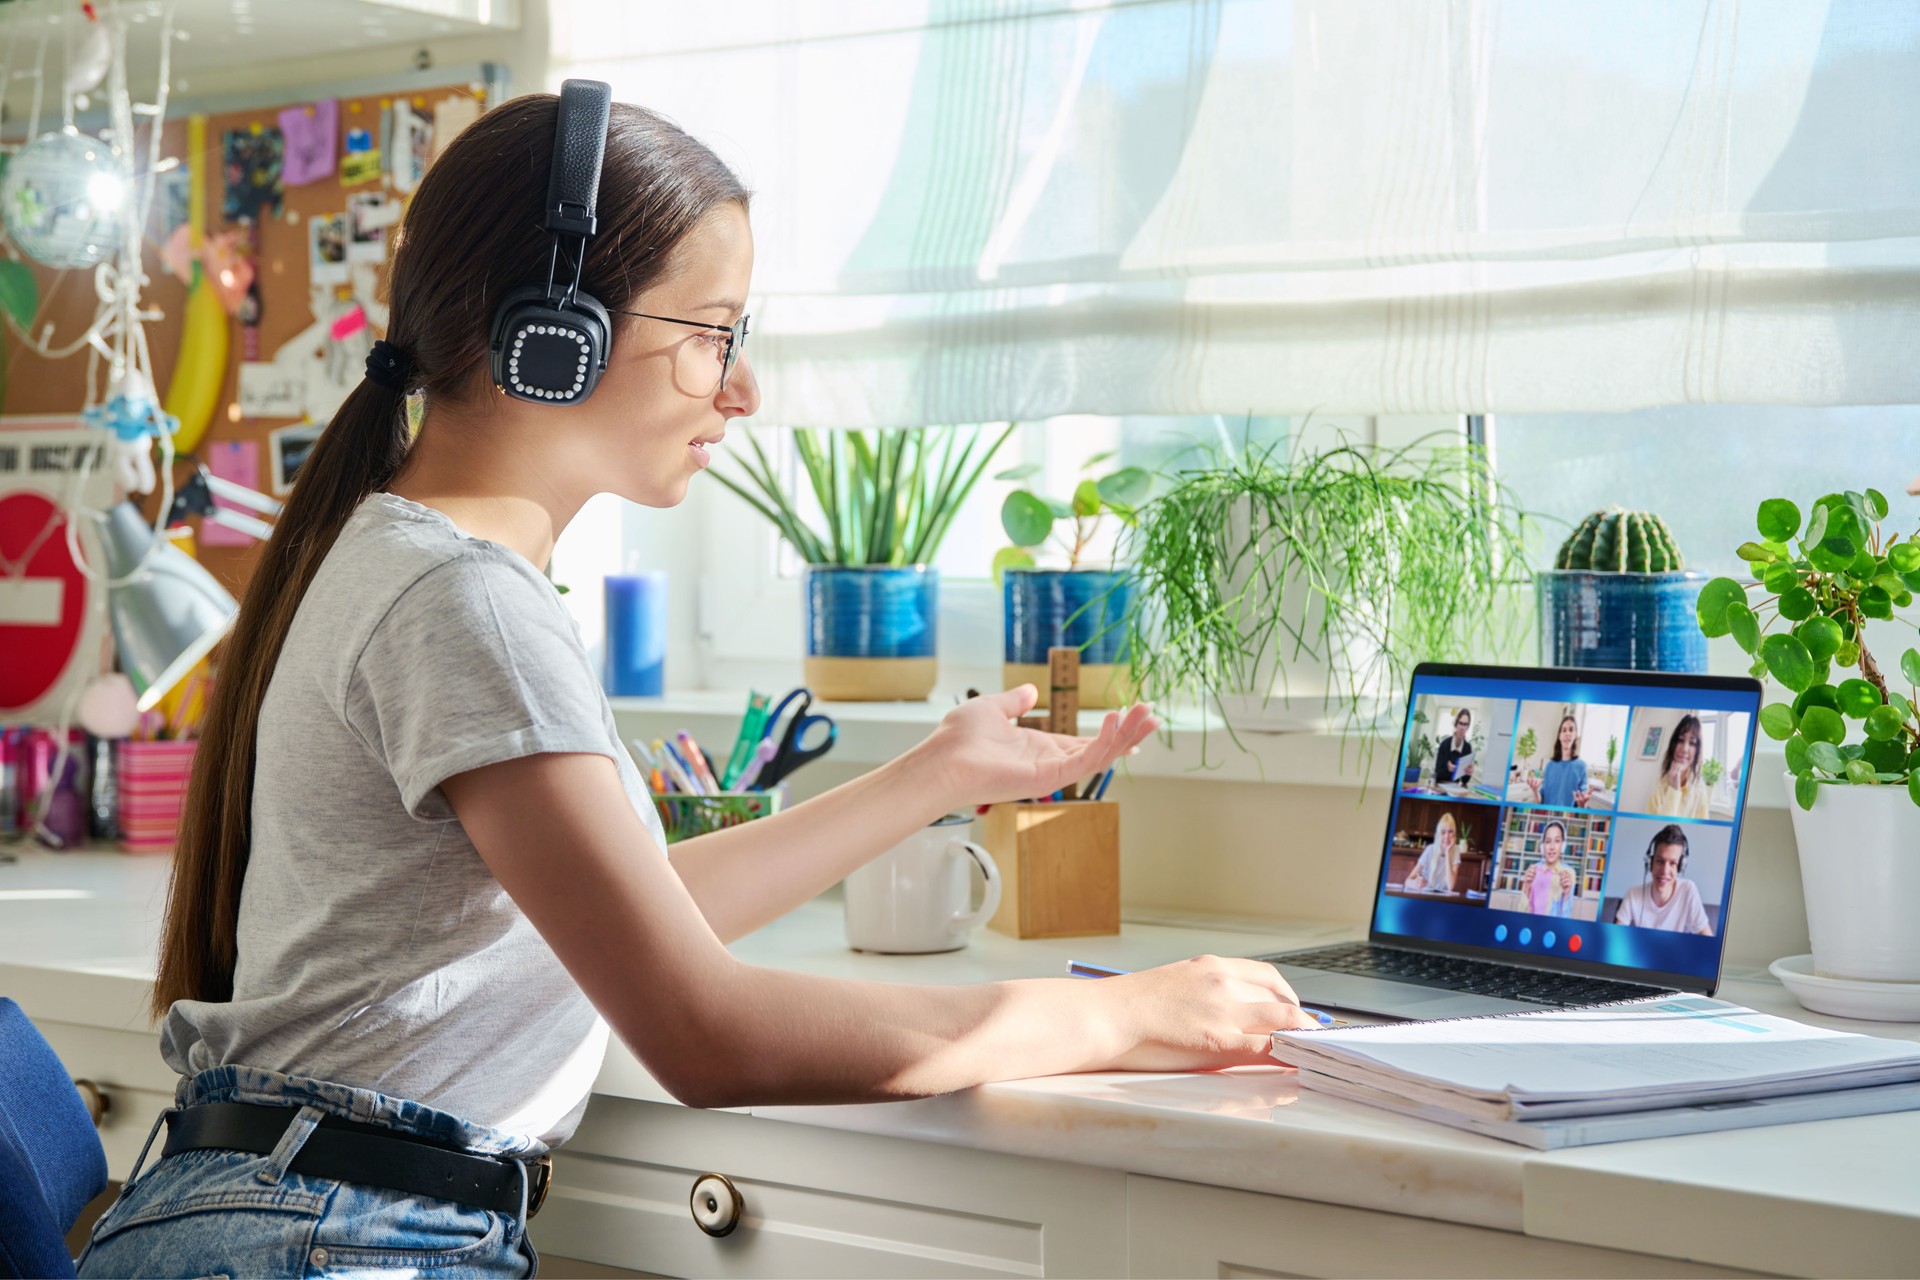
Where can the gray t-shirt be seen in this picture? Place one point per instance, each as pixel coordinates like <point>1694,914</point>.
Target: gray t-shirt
<point>375,947</point>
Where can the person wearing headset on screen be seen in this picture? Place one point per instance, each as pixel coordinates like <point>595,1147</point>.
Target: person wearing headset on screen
<point>1666,899</point>
<point>418,878</point>
<point>1435,871</point>
<point>1548,883</point>
<point>1565,781</point>
<point>1679,791</point>
<point>1453,758</point>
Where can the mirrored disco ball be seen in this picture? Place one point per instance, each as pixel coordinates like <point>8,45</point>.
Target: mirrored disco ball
<point>63,199</point>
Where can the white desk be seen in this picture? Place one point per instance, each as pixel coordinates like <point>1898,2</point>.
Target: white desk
<point>1097,1174</point>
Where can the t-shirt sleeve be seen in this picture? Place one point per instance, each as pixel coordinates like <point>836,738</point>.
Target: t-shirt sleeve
<point>475,663</point>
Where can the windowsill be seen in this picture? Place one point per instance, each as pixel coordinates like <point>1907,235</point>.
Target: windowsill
<point>872,733</point>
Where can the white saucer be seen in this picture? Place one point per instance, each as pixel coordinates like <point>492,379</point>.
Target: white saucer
<point>1847,997</point>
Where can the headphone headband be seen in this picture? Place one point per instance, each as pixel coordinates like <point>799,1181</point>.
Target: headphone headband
<point>579,145</point>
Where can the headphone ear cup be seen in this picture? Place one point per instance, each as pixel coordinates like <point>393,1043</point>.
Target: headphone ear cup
<point>547,353</point>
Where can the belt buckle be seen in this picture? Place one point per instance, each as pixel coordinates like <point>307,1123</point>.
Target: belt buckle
<point>541,1171</point>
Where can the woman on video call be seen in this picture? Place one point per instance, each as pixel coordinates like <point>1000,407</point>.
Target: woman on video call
<point>1548,883</point>
<point>1435,870</point>
<point>1679,792</point>
<point>1565,781</point>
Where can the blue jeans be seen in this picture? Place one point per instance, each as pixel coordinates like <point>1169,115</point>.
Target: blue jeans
<point>231,1213</point>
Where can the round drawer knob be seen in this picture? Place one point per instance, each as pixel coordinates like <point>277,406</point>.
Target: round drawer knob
<point>716,1204</point>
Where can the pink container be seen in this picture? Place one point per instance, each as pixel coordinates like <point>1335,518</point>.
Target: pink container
<point>153,784</point>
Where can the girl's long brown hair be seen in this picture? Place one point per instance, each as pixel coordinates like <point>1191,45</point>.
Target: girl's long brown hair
<point>473,232</point>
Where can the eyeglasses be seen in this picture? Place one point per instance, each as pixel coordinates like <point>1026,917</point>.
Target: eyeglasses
<point>736,337</point>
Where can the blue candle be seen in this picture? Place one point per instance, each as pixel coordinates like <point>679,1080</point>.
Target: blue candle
<point>636,634</point>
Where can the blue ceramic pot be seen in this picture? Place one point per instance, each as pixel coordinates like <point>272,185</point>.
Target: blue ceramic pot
<point>872,631</point>
<point>1626,621</point>
<point>1078,607</point>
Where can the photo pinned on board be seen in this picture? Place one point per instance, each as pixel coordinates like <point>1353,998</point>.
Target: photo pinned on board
<point>250,173</point>
<point>327,248</point>
<point>288,449</point>
<point>369,214</point>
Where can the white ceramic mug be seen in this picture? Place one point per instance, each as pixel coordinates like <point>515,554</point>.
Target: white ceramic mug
<point>916,896</point>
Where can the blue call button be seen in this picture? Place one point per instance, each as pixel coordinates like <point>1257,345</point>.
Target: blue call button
<point>1499,933</point>
<point>1526,936</point>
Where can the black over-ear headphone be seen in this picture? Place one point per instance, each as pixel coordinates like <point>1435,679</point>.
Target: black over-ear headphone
<point>1669,834</point>
<point>550,342</point>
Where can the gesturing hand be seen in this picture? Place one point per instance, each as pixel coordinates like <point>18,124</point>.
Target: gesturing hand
<point>985,757</point>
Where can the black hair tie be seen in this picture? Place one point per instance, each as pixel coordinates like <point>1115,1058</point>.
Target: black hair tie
<point>388,365</point>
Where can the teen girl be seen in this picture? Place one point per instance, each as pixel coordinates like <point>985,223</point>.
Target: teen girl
<point>418,875</point>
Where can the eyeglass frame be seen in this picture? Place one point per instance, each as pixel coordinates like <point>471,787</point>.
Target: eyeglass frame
<point>736,338</point>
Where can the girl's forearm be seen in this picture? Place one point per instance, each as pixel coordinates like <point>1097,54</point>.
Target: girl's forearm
<point>746,876</point>
<point>799,1039</point>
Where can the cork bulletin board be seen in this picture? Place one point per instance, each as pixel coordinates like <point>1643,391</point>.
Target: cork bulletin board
<point>318,250</point>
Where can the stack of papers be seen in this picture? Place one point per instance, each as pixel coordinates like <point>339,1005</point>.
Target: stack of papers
<point>1640,1069</point>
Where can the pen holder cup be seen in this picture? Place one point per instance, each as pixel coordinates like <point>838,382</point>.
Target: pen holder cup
<point>153,786</point>
<point>686,816</point>
<point>1060,866</point>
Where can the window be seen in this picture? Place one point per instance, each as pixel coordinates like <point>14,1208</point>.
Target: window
<point>1704,469</point>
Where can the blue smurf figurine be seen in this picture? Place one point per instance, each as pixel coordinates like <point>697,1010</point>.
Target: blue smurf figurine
<point>132,412</point>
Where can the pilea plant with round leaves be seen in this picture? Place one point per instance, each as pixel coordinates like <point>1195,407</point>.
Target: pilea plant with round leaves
<point>1820,582</point>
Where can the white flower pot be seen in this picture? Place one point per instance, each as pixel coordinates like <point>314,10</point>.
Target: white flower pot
<point>1285,690</point>
<point>1860,867</point>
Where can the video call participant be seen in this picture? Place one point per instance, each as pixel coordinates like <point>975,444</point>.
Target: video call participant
<point>1548,883</point>
<point>1453,761</point>
<point>1665,900</point>
<point>1679,792</point>
<point>1565,780</point>
<point>1435,870</point>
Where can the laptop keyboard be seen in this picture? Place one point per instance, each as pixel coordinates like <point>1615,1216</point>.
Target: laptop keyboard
<point>1472,977</point>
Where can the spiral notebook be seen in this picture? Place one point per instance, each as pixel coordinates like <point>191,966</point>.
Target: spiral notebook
<point>1640,1068</point>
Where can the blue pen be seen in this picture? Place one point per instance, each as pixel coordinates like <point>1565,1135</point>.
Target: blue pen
<point>1100,788</point>
<point>1081,969</point>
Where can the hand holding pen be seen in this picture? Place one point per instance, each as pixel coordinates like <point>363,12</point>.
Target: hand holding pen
<point>1081,969</point>
<point>1196,1015</point>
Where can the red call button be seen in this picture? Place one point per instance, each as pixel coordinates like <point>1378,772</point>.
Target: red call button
<point>1573,943</point>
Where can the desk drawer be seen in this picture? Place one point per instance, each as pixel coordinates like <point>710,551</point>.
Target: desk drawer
<point>821,1201</point>
<point>1185,1229</point>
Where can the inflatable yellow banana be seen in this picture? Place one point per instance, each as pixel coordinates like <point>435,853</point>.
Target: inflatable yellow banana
<point>200,369</point>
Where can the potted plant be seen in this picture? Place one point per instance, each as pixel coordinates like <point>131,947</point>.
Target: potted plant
<point>1619,595</point>
<point>870,596</point>
<point>1419,749</point>
<point>1525,748</point>
<point>1611,777</point>
<point>1080,605</point>
<point>1297,592</point>
<point>1852,741</point>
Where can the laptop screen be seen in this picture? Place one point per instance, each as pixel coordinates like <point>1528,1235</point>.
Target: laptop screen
<point>1581,820</point>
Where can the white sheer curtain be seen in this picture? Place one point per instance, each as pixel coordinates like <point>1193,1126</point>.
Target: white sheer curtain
<point>970,210</point>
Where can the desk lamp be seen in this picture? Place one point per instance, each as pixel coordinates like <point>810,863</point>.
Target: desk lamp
<point>168,613</point>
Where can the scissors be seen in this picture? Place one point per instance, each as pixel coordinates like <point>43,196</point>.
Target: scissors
<point>793,751</point>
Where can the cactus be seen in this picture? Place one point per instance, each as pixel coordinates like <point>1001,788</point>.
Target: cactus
<point>1617,541</point>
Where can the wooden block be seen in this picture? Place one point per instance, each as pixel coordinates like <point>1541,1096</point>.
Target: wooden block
<point>1059,867</point>
<point>1063,698</point>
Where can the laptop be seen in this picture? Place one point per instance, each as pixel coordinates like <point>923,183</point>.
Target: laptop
<point>1556,837</point>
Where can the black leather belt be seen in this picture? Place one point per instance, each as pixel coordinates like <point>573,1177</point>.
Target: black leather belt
<point>349,1151</point>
